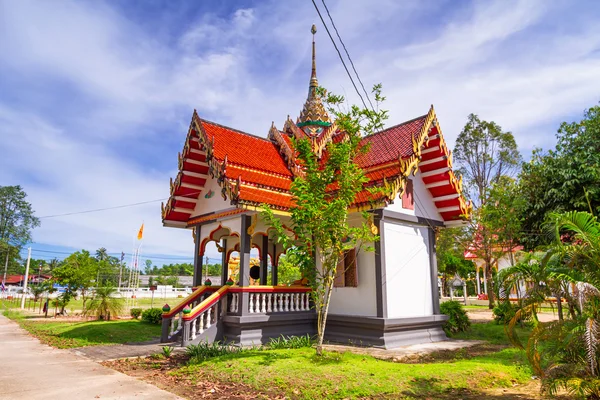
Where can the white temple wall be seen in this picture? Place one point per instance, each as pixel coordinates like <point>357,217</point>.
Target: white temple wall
<point>214,203</point>
<point>423,202</point>
<point>360,300</point>
<point>407,271</point>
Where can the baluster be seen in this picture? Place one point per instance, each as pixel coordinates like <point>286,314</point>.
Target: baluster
<point>251,303</point>
<point>269,298</point>
<point>193,329</point>
<point>180,322</point>
<point>297,301</point>
<point>303,299</point>
<point>237,302</point>
<point>279,302</point>
<point>208,317</point>
<point>292,305</point>
<point>172,330</point>
<point>232,305</point>
<point>286,305</point>
<point>300,301</point>
<point>201,318</point>
<point>263,304</point>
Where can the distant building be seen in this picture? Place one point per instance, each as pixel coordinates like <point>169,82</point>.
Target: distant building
<point>17,280</point>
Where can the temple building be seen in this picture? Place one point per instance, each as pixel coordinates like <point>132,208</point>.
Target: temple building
<point>387,298</point>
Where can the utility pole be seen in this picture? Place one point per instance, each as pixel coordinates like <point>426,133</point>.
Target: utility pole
<point>121,269</point>
<point>26,278</point>
<point>6,265</point>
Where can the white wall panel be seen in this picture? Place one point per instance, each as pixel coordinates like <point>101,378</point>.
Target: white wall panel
<point>407,271</point>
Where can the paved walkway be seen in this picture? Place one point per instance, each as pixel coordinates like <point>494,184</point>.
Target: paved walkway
<point>405,352</point>
<point>31,370</point>
<point>109,353</point>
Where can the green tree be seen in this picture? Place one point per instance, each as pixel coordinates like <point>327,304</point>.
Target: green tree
<point>17,220</point>
<point>105,304</point>
<point>323,234</point>
<point>450,256</point>
<point>564,179</point>
<point>77,273</point>
<point>565,353</point>
<point>287,268</point>
<point>484,154</point>
<point>148,268</point>
<point>495,228</point>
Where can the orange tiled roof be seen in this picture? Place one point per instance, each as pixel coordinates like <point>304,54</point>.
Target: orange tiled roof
<point>252,170</point>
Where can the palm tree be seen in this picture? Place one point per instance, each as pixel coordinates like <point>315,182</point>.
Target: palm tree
<point>105,304</point>
<point>571,347</point>
<point>101,254</point>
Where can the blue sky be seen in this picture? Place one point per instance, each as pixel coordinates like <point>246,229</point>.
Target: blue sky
<point>96,97</point>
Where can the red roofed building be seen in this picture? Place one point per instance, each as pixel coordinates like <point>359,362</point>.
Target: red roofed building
<point>224,177</point>
<point>17,280</point>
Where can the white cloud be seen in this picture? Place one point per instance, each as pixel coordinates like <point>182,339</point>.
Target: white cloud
<point>246,69</point>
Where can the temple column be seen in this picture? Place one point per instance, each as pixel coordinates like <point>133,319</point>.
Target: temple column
<point>244,269</point>
<point>264,259</point>
<point>224,269</point>
<point>197,258</point>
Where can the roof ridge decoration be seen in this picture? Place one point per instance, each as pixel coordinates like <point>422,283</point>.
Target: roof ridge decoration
<point>217,169</point>
<point>313,118</point>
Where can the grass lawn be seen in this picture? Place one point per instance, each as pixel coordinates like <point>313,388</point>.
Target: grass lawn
<point>76,305</point>
<point>470,373</point>
<point>92,333</point>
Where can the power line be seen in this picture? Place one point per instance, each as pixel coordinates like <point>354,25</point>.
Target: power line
<point>103,209</point>
<point>348,54</point>
<point>339,54</point>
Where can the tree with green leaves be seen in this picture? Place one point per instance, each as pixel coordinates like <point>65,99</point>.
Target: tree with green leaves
<point>105,303</point>
<point>78,272</point>
<point>450,256</point>
<point>564,179</point>
<point>17,220</point>
<point>322,196</point>
<point>484,154</point>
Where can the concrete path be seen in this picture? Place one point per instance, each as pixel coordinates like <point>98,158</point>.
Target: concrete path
<point>405,352</point>
<point>31,370</point>
<point>109,353</point>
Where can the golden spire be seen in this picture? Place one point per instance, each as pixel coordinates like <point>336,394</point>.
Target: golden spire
<point>313,113</point>
<point>313,77</point>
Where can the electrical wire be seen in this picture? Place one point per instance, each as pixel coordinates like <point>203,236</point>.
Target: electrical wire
<point>339,54</point>
<point>348,55</point>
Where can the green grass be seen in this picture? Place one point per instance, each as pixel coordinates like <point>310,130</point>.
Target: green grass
<point>76,305</point>
<point>300,374</point>
<point>79,334</point>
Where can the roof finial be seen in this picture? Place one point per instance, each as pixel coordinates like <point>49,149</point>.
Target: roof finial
<point>313,77</point>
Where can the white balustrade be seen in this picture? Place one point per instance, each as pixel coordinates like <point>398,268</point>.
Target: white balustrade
<point>262,303</point>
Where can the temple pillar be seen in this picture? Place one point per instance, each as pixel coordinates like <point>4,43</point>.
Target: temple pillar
<point>264,259</point>
<point>197,258</point>
<point>478,282</point>
<point>224,263</point>
<point>244,269</point>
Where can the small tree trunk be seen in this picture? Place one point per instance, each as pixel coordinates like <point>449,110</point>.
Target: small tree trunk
<point>322,320</point>
<point>490,286</point>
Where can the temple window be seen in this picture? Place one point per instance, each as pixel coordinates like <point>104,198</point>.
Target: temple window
<point>407,197</point>
<point>347,270</point>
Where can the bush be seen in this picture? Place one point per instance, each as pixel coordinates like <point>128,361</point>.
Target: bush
<point>204,350</point>
<point>152,315</point>
<point>290,342</point>
<point>459,321</point>
<point>135,312</point>
<point>504,312</point>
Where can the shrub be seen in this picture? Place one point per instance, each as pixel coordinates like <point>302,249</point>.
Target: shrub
<point>290,342</point>
<point>167,351</point>
<point>459,321</point>
<point>204,350</point>
<point>504,312</point>
<point>152,315</point>
<point>135,312</point>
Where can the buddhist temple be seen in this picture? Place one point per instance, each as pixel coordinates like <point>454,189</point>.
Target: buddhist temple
<point>387,299</point>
